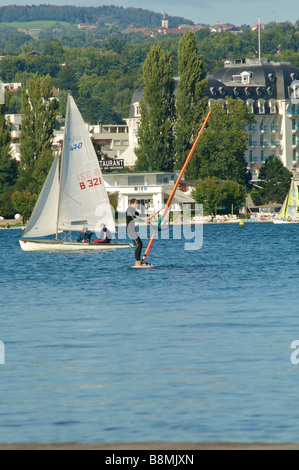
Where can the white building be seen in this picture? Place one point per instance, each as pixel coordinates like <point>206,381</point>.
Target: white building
<point>15,122</point>
<point>271,91</point>
<point>150,189</point>
<point>268,88</point>
<point>115,138</point>
<point>8,86</point>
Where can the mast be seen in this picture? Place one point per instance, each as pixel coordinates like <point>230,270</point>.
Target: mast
<point>61,163</point>
<point>168,203</point>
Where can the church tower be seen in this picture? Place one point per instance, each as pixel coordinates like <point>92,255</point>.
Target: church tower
<point>165,22</point>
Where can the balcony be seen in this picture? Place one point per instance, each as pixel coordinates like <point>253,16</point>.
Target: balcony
<point>275,144</point>
<point>293,112</point>
<point>275,129</point>
<point>264,144</point>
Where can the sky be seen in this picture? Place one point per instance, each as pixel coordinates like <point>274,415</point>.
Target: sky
<point>237,12</point>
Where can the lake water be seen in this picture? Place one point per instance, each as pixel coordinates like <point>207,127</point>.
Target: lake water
<point>197,349</point>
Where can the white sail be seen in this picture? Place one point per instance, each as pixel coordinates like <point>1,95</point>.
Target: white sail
<point>43,221</point>
<point>83,197</point>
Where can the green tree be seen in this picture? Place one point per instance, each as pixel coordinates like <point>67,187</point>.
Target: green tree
<point>274,183</point>
<point>211,192</point>
<point>39,111</point>
<point>54,49</point>
<point>8,166</point>
<point>155,151</point>
<point>221,148</point>
<point>24,202</point>
<point>191,102</point>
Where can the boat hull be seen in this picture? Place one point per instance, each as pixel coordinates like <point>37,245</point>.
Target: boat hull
<point>54,245</point>
<point>283,221</point>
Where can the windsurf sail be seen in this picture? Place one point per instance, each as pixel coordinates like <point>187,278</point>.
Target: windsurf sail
<point>168,203</point>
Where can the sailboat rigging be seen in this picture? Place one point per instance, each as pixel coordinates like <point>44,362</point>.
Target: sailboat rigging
<point>74,198</point>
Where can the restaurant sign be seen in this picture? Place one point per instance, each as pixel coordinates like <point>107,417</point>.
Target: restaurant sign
<point>112,164</point>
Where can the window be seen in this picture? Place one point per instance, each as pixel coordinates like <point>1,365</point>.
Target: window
<point>162,179</point>
<point>272,106</point>
<point>275,127</point>
<point>294,156</point>
<point>137,109</point>
<point>137,180</point>
<point>261,106</point>
<point>250,103</point>
<point>237,78</point>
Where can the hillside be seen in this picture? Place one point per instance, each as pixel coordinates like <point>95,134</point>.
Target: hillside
<point>104,15</point>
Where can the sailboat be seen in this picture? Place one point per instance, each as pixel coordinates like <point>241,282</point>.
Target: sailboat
<point>73,197</point>
<point>288,212</point>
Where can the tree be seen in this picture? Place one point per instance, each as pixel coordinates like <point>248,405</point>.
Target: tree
<point>39,112</point>
<point>221,148</point>
<point>274,183</point>
<point>24,202</point>
<point>211,192</point>
<point>155,151</point>
<point>191,101</point>
<point>54,49</point>
<point>8,166</point>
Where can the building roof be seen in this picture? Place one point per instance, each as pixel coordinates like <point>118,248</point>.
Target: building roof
<point>268,80</point>
<point>246,80</point>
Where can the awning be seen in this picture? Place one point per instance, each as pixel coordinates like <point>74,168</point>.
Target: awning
<point>180,197</point>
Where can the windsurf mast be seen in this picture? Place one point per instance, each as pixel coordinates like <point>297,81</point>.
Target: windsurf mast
<point>168,203</point>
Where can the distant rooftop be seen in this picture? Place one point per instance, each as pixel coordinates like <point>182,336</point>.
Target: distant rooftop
<point>251,62</point>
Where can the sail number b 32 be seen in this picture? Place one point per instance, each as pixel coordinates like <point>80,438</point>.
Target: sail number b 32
<point>89,179</point>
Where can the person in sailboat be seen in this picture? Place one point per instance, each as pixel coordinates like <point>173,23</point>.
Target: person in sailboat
<point>131,215</point>
<point>104,235</point>
<point>85,235</point>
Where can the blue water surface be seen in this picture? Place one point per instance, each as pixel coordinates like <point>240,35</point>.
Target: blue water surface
<point>196,349</point>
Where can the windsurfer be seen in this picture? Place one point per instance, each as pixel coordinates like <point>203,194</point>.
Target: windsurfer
<point>131,215</point>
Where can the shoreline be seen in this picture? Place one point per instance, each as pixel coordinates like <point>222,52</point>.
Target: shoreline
<point>196,222</point>
<point>151,446</point>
